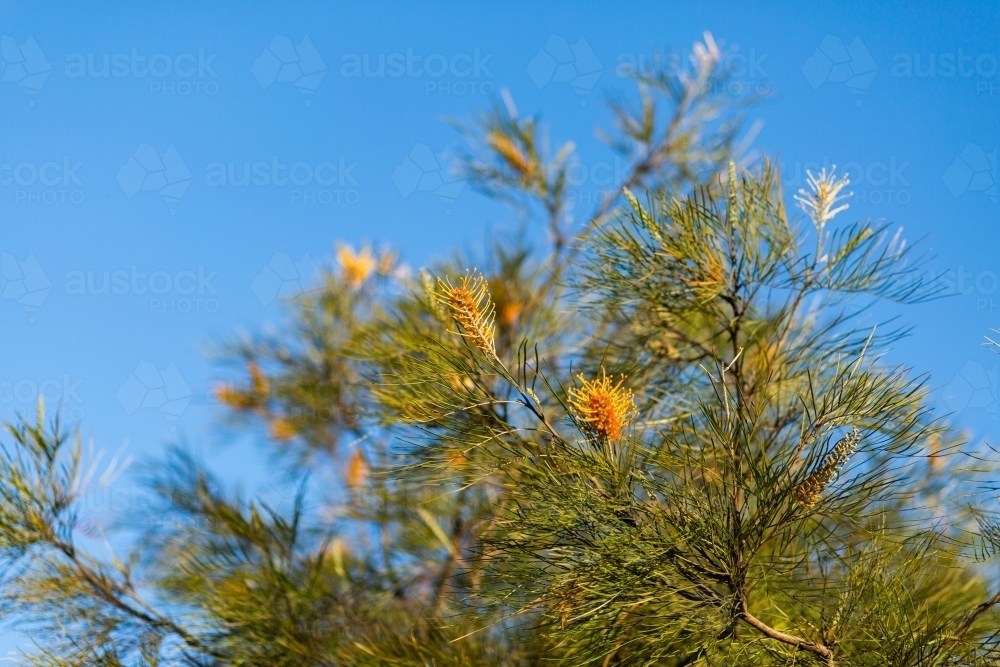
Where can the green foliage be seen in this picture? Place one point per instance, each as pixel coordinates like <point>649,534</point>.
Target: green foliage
<point>665,437</point>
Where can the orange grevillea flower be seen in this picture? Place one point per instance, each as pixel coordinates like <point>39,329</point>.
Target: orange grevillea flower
<point>504,147</point>
<point>234,398</point>
<point>470,306</point>
<point>258,383</point>
<point>509,312</point>
<point>282,429</point>
<point>252,398</point>
<point>356,266</point>
<point>357,470</point>
<point>605,407</point>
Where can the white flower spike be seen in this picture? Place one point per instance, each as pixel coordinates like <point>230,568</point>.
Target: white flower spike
<point>820,204</point>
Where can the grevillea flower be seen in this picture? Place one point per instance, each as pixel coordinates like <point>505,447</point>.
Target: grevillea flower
<point>234,398</point>
<point>357,470</point>
<point>470,306</point>
<point>503,293</point>
<point>809,491</point>
<point>819,204</point>
<point>605,407</point>
<point>282,429</point>
<point>506,149</point>
<point>252,398</point>
<point>356,266</point>
<point>258,383</point>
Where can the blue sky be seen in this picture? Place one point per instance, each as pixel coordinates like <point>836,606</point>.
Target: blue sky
<point>96,97</point>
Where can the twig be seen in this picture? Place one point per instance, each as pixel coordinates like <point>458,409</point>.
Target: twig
<point>798,642</point>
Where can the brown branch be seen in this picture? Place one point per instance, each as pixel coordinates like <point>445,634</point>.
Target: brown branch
<point>113,595</point>
<point>457,533</point>
<point>797,642</point>
<point>974,615</point>
<point>967,623</point>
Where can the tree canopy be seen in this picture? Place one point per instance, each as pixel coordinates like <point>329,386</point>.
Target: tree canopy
<point>667,434</point>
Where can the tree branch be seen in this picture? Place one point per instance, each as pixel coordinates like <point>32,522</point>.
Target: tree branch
<point>798,642</point>
<point>110,593</point>
<point>966,625</point>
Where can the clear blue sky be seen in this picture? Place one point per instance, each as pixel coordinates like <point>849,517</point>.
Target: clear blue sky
<point>119,123</point>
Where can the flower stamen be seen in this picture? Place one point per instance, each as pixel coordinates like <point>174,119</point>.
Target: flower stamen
<point>809,491</point>
<point>355,266</point>
<point>605,407</point>
<point>471,308</point>
<point>819,204</point>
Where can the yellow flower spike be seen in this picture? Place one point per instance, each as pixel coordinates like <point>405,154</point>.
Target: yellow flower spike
<point>508,306</point>
<point>234,398</point>
<point>245,399</point>
<point>605,407</point>
<point>282,429</point>
<point>356,267</point>
<point>357,470</point>
<point>470,306</point>
<point>257,380</point>
<point>335,551</point>
<point>811,489</point>
<point>506,149</point>
<point>509,313</point>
